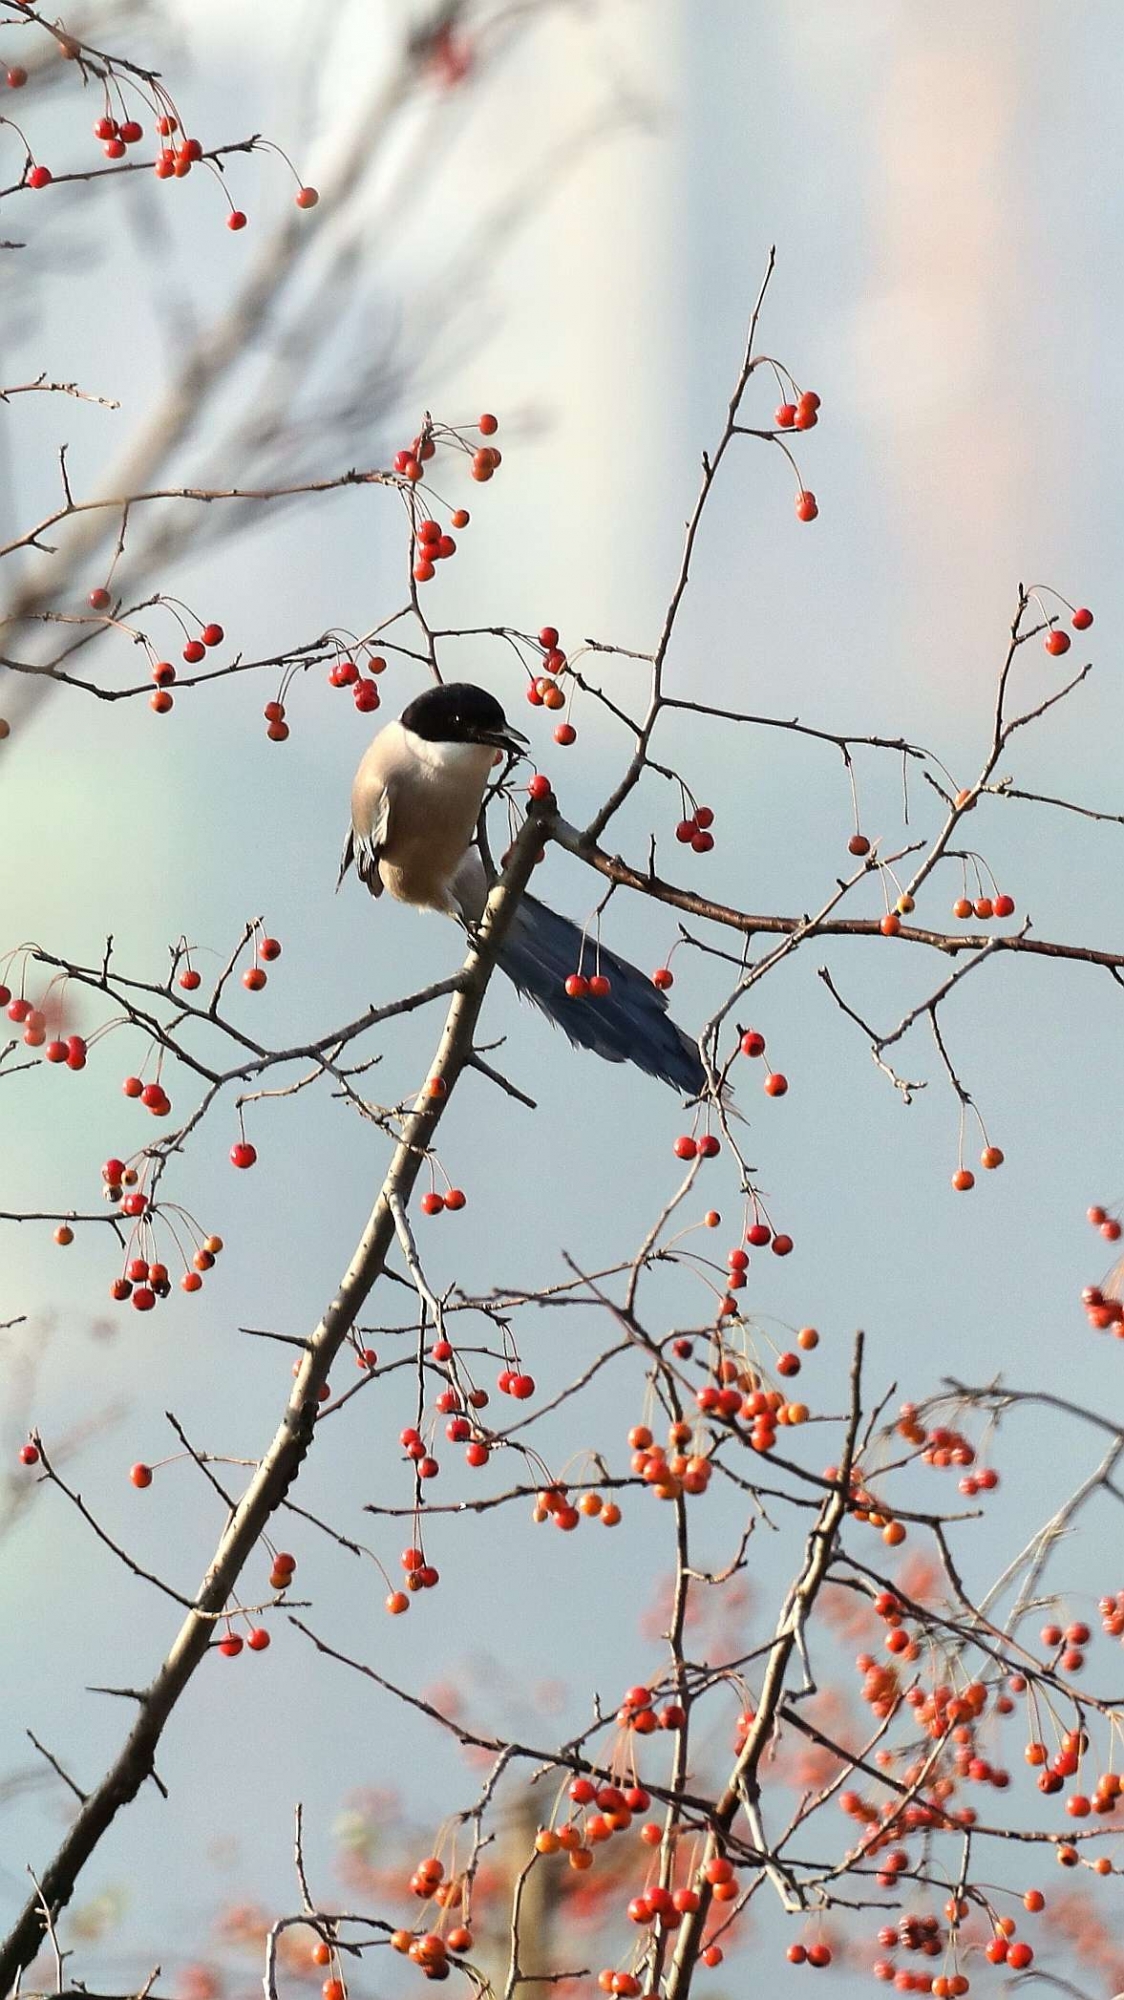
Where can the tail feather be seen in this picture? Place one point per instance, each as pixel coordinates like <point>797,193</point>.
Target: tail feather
<point>629,1024</point>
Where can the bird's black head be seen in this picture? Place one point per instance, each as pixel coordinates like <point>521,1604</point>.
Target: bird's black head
<point>461,713</point>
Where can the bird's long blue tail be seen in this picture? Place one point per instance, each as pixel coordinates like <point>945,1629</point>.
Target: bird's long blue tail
<point>628,1024</point>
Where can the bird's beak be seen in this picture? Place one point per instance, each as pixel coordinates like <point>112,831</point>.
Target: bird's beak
<point>509,739</point>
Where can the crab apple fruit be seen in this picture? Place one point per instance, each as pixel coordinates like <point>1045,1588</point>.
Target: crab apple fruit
<point>1004,906</point>
<point>776,1084</point>
<point>29,1454</point>
<point>784,417</point>
<point>991,1157</point>
<point>806,508</point>
<point>269,948</point>
<point>539,787</point>
<point>1082,617</point>
<point>432,1203</point>
<point>253,979</point>
<point>258,1639</point>
<point>40,177</point>
<point>236,219</point>
<point>782,1245</point>
<point>190,980</point>
<point>64,1235</point>
<point>194,651</point>
<point>231,1645</point>
<point>565,734</point>
<point>140,1474</point>
<point>858,844</point>
<point>16,77</point>
<point>1057,643</point>
<point>243,1154</point>
<point>663,977</point>
<point>890,924</point>
<point>455,1198</point>
<point>307,197</point>
<point>963,1179</point>
<point>98,599</point>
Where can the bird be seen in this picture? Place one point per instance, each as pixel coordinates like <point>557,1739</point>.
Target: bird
<point>415,805</point>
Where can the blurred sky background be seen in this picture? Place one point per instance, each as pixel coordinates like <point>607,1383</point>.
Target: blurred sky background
<point>573,239</point>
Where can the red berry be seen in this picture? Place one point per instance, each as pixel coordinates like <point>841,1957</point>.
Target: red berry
<point>539,787</point>
<point>307,197</point>
<point>98,600</point>
<point>488,425</point>
<point>685,1147</point>
<point>1056,643</point>
<point>366,696</point>
<point>565,734</point>
<point>599,986</point>
<point>40,177</point>
<point>258,1639</point>
<point>236,219</point>
<point>962,1180</point>
<point>1081,620</point>
<point>432,1203</point>
<point>782,1246</point>
<point>776,1084</point>
<point>753,1044</point>
<point>17,77</point>
<point>141,1475</point>
<point>785,416</point>
<point>212,635</point>
<point>131,132</point>
<point>231,1645</point>
<point>29,1454</point>
<point>858,844</point>
<point>455,1198</point>
<point>663,977</point>
<point>806,508</point>
<point>577,986</point>
<point>269,949</point>
<point>243,1154</point>
<point>194,651</point>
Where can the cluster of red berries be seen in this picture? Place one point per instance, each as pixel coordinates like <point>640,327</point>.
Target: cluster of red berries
<point>553,1503</point>
<point>1057,642</point>
<point>512,1382</point>
<point>1112,1615</point>
<point>1102,1307</point>
<point>1073,1637</point>
<point>694,832</point>
<point>117,135</point>
<point>802,415</point>
<point>345,673</point>
<point>432,545</point>
<point>72,1051</point>
<point>163,671</point>
<point>705,1148</point>
<point>543,690</point>
<point>145,1280</point>
<point>672,1470</point>
<point>230,1645</point>
<point>596,987</point>
<point>153,1096</point>
<point>753,1045</point>
<point>639,1714</point>
<point>486,460</point>
<point>419,1575</point>
<point>984,907</point>
<point>430,1883</point>
<point>430,1953</point>
<point>434,1203</point>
